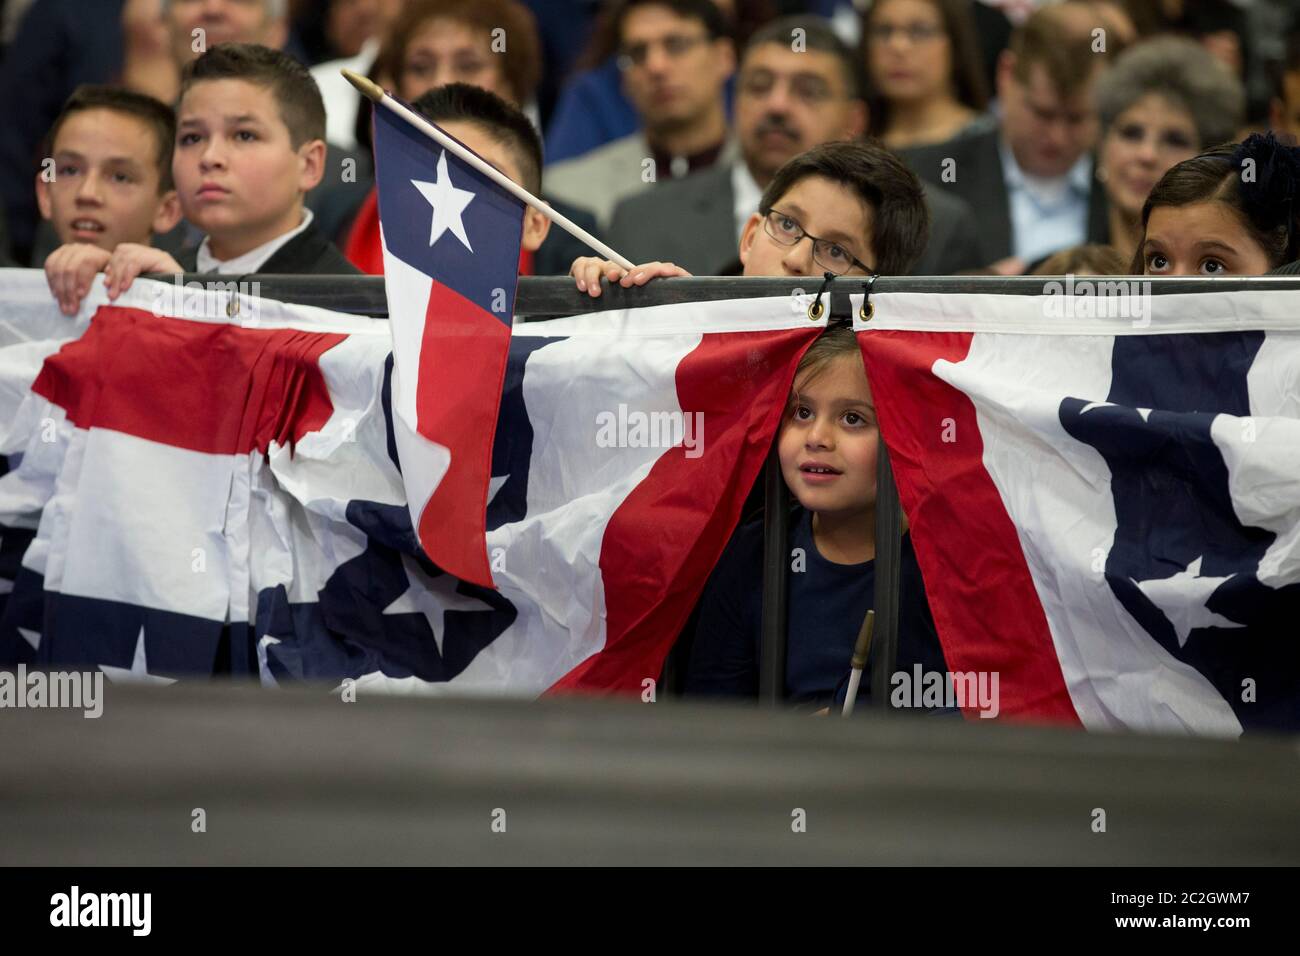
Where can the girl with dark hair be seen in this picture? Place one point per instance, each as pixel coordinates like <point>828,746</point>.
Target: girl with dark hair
<point>923,71</point>
<point>827,446</point>
<point>1229,211</point>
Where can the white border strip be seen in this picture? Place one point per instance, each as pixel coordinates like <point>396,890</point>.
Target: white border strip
<point>1149,314</point>
<point>760,314</point>
<point>29,287</point>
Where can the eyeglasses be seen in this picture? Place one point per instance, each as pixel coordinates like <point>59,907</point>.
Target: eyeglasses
<point>916,33</point>
<point>831,256</point>
<point>675,45</point>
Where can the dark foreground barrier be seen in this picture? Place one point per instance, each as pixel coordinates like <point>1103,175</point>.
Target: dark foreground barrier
<point>297,776</point>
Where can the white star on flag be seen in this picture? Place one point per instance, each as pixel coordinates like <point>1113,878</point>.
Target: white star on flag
<point>432,597</point>
<point>448,203</point>
<point>1182,598</point>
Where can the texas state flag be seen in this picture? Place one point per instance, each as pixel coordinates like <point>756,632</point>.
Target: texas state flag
<point>451,241</point>
<point>1104,497</point>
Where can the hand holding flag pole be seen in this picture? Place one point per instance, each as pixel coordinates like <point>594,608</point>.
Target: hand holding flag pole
<point>371,90</point>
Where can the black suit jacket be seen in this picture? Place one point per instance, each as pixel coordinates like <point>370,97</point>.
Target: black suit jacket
<point>308,253</point>
<point>558,250</point>
<point>954,236</point>
<point>689,221</point>
<point>981,183</point>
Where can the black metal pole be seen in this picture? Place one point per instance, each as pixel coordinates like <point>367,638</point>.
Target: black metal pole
<point>889,547</point>
<point>776,555</point>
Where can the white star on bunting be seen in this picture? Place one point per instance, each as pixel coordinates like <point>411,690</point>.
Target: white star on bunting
<point>1182,598</point>
<point>448,203</point>
<point>138,672</point>
<point>432,597</point>
<point>495,484</point>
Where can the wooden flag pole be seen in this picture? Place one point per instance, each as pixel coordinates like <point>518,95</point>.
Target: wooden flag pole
<point>372,91</point>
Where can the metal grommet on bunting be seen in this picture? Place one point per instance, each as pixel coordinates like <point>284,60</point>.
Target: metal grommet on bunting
<point>868,308</point>
<point>817,310</point>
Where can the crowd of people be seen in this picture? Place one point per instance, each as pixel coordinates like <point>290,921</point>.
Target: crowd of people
<point>921,137</point>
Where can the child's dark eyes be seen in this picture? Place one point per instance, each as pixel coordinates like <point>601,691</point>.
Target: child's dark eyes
<point>246,135</point>
<point>68,169</point>
<point>188,139</point>
<point>803,413</point>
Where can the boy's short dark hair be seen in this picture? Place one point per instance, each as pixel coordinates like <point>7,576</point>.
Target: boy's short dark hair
<point>705,11</point>
<point>155,114</point>
<point>292,87</point>
<point>507,125</point>
<point>817,35</point>
<point>900,217</point>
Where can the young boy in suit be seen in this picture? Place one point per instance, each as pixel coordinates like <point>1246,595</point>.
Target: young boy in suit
<point>250,144</point>
<point>107,181</point>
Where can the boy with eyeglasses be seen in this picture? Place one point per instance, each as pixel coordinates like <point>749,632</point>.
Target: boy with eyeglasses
<point>846,208</point>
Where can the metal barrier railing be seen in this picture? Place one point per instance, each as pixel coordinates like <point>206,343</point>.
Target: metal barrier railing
<point>544,297</point>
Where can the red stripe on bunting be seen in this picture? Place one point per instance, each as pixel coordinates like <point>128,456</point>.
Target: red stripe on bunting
<point>207,387</point>
<point>981,593</point>
<point>662,542</point>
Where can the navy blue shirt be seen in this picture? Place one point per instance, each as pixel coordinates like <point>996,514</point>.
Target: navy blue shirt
<point>827,603</point>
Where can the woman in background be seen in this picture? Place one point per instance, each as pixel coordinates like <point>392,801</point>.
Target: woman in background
<point>1162,102</point>
<point>923,71</point>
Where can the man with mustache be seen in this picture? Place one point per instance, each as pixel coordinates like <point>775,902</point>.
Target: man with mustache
<point>797,87</point>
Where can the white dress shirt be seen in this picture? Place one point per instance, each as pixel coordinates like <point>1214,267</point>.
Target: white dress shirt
<point>746,193</point>
<point>1046,214</point>
<point>250,261</point>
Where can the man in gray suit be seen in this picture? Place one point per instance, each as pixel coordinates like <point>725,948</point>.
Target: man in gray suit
<point>798,87</point>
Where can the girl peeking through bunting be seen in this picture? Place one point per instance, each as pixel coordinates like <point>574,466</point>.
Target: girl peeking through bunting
<point>1230,211</point>
<point>827,444</point>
